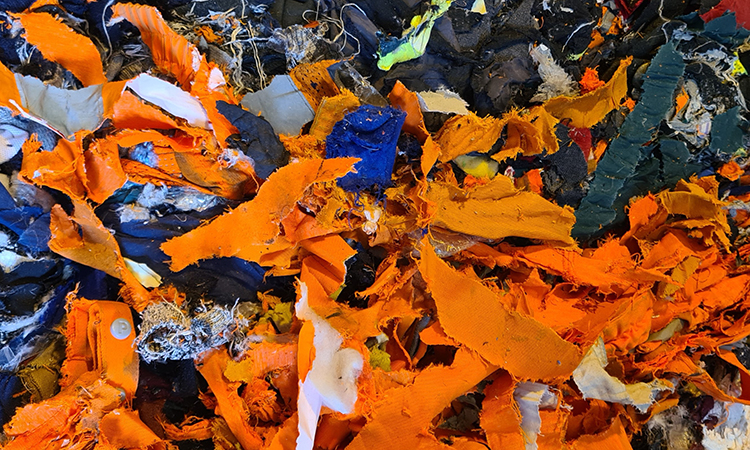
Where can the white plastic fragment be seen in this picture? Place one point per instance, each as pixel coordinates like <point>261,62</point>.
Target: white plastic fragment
<point>733,431</point>
<point>530,397</point>
<point>170,98</point>
<point>595,382</point>
<point>281,104</point>
<point>66,111</point>
<point>332,379</point>
<point>143,273</point>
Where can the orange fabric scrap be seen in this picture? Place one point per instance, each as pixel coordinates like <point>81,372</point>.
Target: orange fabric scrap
<point>229,404</point>
<point>526,137</point>
<point>131,112</point>
<point>590,80</point>
<point>171,52</point>
<point>330,111</point>
<point>589,109</point>
<point>407,101</point>
<point>84,239</point>
<point>521,345</point>
<point>260,217</point>
<point>731,171</point>
<point>314,81</point>
<point>500,418</point>
<point>9,94</point>
<point>95,172</point>
<point>59,43</point>
<point>460,135</point>
<point>497,210</point>
<point>402,418</point>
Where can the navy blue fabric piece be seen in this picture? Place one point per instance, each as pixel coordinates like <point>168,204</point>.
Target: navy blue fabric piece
<point>93,283</point>
<point>22,288</point>
<point>6,200</point>
<point>224,280</point>
<point>9,386</point>
<point>371,134</point>
<point>36,237</point>
<point>54,314</point>
<point>18,219</point>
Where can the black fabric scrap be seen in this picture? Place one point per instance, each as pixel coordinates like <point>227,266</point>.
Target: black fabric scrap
<point>567,168</point>
<point>256,139</point>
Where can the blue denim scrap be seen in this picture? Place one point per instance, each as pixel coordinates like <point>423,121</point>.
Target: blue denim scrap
<point>371,134</point>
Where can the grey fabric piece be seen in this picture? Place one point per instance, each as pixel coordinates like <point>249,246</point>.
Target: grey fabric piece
<point>65,110</point>
<point>167,333</point>
<point>47,137</point>
<point>282,105</point>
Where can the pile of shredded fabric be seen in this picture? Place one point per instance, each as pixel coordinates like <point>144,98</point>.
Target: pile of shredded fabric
<point>397,225</point>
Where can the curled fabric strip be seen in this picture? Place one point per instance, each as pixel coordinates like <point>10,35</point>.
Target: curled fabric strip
<point>171,52</point>
<point>59,43</point>
<point>84,239</point>
<point>100,377</point>
<point>90,343</point>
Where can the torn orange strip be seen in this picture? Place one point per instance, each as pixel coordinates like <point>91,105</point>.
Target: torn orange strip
<point>731,171</point>
<point>589,109</point>
<point>210,86</point>
<point>9,89</point>
<point>59,43</point>
<point>521,345</point>
<point>60,169</point>
<point>260,217</point>
<point>104,173</point>
<point>331,250</point>
<point>122,428</point>
<point>407,101</point>
<point>401,419</point>
<point>260,359</point>
<point>330,111</point>
<point>314,81</point>
<point>500,418</point>
<point>522,137</point>
<point>84,239</point>
<point>171,52</point>
<point>497,210</point>
<point>230,405</point>
<point>140,173</point>
<point>615,438</point>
